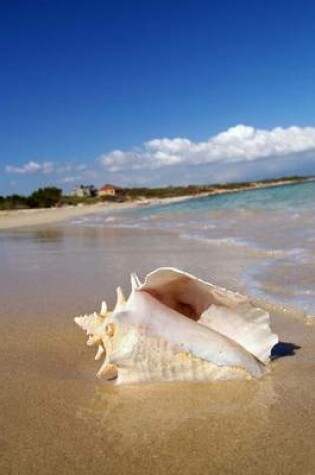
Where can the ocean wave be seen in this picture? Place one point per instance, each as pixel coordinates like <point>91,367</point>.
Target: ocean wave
<point>297,298</point>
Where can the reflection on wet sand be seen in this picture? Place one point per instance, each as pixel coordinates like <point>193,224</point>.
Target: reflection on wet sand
<point>57,418</point>
<point>162,409</point>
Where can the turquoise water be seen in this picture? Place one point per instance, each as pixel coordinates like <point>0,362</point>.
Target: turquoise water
<point>275,225</point>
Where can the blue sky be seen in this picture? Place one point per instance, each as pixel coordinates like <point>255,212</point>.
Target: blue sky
<point>155,92</point>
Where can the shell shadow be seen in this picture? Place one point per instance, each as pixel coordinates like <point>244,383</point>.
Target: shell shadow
<point>282,349</point>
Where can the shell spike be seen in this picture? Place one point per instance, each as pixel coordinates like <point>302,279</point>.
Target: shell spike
<point>99,353</point>
<point>135,282</point>
<point>120,299</point>
<point>103,311</point>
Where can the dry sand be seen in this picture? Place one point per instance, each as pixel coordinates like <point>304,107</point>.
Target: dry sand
<point>31,217</point>
<point>57,418</point>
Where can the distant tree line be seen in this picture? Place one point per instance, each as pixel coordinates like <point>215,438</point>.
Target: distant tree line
<point>41,198</point>
<point>174,191</point>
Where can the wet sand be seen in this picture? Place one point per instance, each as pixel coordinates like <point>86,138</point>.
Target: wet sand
<point>57,417</point>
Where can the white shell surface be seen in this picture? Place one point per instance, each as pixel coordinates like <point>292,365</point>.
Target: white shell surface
<point>229,313</point>
<point>178,327</point>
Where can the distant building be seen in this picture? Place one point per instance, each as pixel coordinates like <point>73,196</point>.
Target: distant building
<point>112,190</point>
<point>84,191</point>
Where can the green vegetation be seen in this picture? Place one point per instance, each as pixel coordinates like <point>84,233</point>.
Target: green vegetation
<point>191,190</point>
<point>52,196</point>
<point>45,197</point>
<point>79,200</point>
<point>166,192</point>
<point>41,198</point>
<point>13,202</point>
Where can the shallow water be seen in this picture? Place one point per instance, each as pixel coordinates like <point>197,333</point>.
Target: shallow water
<point>277,225</point>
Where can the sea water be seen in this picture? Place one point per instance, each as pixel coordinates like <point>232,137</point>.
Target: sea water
<point>276,224</point>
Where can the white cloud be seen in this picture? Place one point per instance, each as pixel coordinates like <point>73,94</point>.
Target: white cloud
<point>81,167</point>
<point>239,144</point>
<point>47,168</point>
<point>31,167</point>
<point>70,167</point>
<point>71,179</point>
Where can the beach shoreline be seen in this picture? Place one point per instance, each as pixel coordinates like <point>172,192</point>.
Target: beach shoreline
<point>42,216</point>
<point>32,217</point>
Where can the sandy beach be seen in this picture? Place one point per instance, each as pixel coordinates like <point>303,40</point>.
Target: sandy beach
<point>42,216</point>
<point>32,217</point>
<point>58,418</point>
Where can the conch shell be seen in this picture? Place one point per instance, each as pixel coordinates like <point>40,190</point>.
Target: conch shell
<point>176,327</point>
